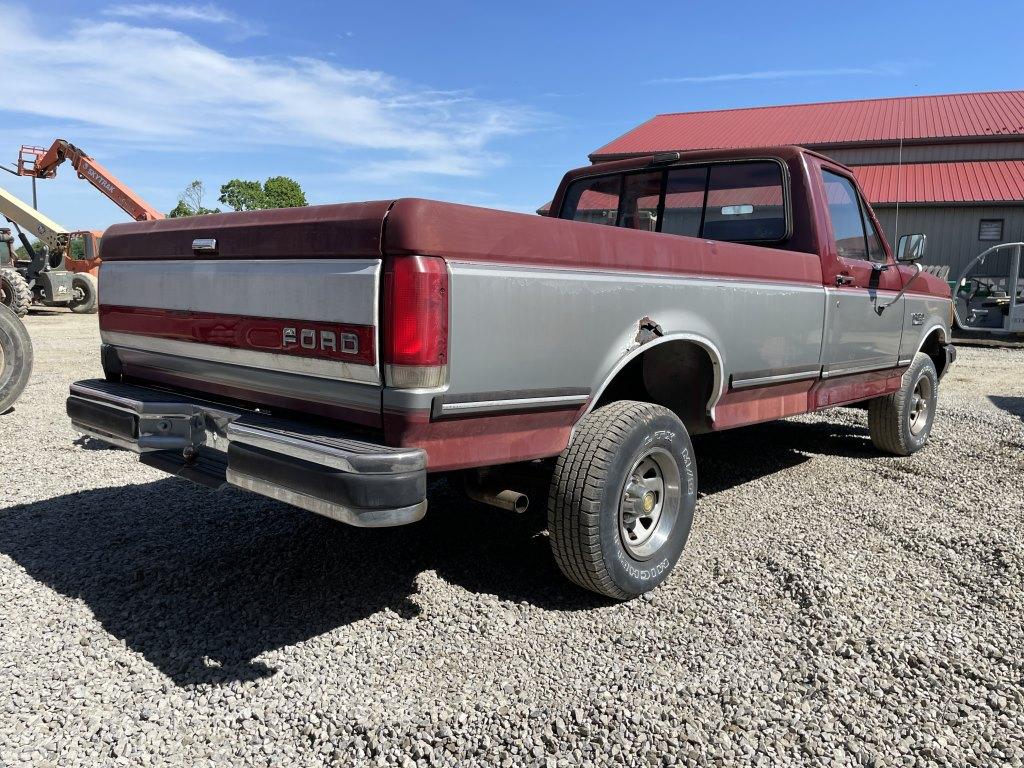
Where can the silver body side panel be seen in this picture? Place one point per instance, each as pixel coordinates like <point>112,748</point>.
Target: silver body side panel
<point>325,290</point>
<point>518,328</point>
<point>922,315</point>
<point>856,337</point>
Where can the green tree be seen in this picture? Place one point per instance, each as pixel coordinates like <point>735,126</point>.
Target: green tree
<point>22,255</point>
<point>190,202</point>
<point>276,192</point>
<point>243,195</point>
<point>77,249</point>
<point>282,192</point>
<point>180,211</point>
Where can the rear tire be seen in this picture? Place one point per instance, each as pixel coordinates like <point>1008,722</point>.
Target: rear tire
<point>83,286</point>
<point>14,291</point>
<point>15,358</point>
<point>901,422</point>
<point>622,499</point>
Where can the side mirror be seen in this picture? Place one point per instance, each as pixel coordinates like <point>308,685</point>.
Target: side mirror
<point>911,248</point>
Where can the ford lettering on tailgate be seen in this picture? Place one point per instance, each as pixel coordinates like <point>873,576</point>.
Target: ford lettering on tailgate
<point>330,341</point>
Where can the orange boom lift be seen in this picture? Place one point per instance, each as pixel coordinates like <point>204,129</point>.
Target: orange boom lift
<point>41,163</point>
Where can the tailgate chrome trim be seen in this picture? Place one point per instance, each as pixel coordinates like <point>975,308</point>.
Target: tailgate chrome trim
<point>245,358</point>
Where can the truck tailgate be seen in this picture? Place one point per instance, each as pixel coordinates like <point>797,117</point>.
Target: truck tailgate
<point>275,308</point>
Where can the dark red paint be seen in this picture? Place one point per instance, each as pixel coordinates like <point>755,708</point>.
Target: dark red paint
<point>312,232</point>
<point>257,334</point>
<point>482,440</point>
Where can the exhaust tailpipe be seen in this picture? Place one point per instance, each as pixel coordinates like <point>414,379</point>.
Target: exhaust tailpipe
<point>509,500</point>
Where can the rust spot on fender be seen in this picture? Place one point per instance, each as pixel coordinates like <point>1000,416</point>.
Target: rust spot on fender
<point>647,330</point>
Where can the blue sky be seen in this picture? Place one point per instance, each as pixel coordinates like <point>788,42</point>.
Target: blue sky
<point>482,103</point>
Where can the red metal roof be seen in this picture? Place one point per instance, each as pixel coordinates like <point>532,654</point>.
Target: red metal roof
<point>973,182</point>
<point>915,118</point>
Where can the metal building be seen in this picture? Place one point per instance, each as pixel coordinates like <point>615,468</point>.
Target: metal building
<point>961,180</point>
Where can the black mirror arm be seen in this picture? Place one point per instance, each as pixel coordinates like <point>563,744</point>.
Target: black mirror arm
<point>918,269</point>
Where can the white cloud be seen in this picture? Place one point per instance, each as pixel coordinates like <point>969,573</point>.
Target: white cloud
<point>209,14</point>
<point>784,74</point>
<point>162,88</point>
<point>238,28</point>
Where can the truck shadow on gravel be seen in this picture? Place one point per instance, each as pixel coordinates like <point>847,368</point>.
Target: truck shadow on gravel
<point>728,459</point>
<point>1012,405</point>
<point>202,583</point>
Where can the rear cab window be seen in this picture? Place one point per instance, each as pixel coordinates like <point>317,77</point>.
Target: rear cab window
<point>740,201</point>
<point>593,200</point>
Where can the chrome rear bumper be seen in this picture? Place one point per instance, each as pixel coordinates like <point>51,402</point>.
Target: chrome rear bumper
<point>343,477</point>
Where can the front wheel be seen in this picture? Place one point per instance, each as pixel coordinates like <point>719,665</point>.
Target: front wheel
<point>901,422</point>
<point>83,287</point>
<point>622,499</point>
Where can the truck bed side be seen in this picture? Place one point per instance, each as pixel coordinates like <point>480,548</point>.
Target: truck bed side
<point>544,312</point>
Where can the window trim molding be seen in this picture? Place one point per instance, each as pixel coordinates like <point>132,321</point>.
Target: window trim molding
<point>870,224</point>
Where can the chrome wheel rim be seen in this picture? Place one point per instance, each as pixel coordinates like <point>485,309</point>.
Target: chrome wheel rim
<point>920,405</point>
<point>649,503</point>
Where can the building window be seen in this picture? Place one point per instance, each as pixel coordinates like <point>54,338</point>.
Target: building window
<point>990,229</point>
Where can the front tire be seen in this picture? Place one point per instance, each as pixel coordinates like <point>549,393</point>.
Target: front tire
<point>901,422</point>
<point>15,358</point>
<point>622,499</point>
<point>83,285</point>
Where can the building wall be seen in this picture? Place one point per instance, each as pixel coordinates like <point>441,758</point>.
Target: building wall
<point>928,153</point>
<point>953,232</point>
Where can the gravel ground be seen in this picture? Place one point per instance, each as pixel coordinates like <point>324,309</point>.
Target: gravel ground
<point>833,607</point>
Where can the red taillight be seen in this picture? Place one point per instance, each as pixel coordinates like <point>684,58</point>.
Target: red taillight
<point>416,320</point>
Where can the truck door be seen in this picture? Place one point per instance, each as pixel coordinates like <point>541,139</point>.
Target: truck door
<point>860,277</point>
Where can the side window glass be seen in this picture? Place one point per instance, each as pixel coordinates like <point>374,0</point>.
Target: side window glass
<point>684,201</point>
<point>640,195</point>
<point>745,203</point>
<point>844,211</point>
<point>594,200</point>
<point>875,250</point>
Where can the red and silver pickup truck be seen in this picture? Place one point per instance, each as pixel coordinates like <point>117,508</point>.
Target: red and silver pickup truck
<point>332,357</point>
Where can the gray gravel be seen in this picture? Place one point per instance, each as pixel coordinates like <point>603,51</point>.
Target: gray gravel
<point>833,607</point>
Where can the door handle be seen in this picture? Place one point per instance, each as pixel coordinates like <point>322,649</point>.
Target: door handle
<point>844,280</point>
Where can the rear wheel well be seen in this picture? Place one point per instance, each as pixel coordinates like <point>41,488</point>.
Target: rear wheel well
<point>679,375</point>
